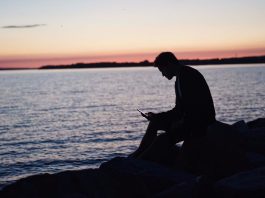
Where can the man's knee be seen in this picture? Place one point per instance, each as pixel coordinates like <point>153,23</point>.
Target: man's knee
<point>160,124</point>
<point>153,126</point>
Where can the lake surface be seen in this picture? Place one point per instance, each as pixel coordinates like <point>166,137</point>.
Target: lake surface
<point>56,120</point>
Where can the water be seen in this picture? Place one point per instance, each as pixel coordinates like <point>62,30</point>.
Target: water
<point>58,120</point>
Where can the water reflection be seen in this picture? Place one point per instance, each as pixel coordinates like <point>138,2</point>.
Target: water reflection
<point>73,119</point>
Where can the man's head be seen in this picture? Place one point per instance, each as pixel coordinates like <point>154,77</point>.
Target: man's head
<point>167,64</point>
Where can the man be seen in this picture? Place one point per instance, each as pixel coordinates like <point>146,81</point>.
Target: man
<point>188,120</point>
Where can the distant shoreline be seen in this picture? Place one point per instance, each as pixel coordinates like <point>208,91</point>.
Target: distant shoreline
<point>195,62</point>
<point>17,68</point>
<point>234,60</point>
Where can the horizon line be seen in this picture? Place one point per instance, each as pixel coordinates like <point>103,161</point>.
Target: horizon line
<point>38,60</point>
<point>133,62</point>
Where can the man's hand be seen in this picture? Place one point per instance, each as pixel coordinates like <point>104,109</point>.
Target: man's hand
<point>150,116</point>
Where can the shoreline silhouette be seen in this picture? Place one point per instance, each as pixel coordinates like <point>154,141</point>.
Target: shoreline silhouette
<point>146,63</point>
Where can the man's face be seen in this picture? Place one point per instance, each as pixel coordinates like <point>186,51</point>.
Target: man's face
<point>167,71</point>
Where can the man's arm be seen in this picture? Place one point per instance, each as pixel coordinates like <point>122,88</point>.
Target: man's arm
<point>168,115</point>
<point>163,120</point>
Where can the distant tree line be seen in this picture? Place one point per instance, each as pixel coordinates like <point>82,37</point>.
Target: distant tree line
<point>216,61</point>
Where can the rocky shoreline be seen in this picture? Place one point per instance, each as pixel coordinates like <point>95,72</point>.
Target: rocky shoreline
<point>126,177</point>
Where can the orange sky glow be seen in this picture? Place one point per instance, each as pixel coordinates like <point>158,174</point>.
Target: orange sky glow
<point>38,61</point>
<point>55,32</point>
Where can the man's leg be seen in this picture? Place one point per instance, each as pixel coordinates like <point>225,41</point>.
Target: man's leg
<point>162,150</point>
<point>147,140</point>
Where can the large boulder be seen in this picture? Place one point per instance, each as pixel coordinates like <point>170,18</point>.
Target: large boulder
<point>120,177</point>
<point>249,184</point>
<point>156,179</point>
<point>257,123</point>
<point>252,135</point>
<point>220,152</point>
<point>255,160</point>
<point>220,155</point>
<point>68,184</point>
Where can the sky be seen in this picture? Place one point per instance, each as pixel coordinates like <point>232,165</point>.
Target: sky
<point>35,33</point>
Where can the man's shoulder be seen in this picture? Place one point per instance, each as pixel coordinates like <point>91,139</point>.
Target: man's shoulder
<point>190,70</point>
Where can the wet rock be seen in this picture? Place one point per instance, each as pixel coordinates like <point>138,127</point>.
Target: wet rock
<point>240,125</point>
<point>221,154</point>
<point>249,184</point>
<point>83,183</point>
<point>120,177</point>
<point>255,160</point>
<point>252,135</point>
<point>258,123</point>
<point>254,140</point>
<point>154,178</point>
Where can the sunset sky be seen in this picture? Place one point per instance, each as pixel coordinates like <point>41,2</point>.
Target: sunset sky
<point>35,33</point>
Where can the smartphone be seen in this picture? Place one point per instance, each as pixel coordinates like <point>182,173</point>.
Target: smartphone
<point>143,114</point>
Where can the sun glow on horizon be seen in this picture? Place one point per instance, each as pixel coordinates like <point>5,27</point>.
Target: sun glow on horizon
<point>27,61</point>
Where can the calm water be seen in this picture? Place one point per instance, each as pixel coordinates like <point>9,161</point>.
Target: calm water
<point>52,121</point>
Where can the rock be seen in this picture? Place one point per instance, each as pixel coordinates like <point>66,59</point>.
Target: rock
<point>203,189</point>
<point>83,183</point>
<point>153,177</point>
<point>252,135</point>
<point>177,190</point>
<point>249,184</point>
<point>240,125</point>
<point>255,160</point>
<point>254,140</point>
<point>221,154</point>
<point>120,177</point>
<point>258,123</point>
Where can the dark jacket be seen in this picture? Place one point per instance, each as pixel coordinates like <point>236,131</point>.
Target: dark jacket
<point>194,104</point>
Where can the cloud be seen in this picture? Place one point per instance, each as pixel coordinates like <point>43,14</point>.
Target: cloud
<point>22,26</point>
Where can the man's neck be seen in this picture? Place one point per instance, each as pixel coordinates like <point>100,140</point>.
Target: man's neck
<point>177,71</point>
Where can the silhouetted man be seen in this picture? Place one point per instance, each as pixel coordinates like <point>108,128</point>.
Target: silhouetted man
<point>188,120</point>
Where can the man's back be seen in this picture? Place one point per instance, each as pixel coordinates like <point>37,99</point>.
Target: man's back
<point>195,99</point>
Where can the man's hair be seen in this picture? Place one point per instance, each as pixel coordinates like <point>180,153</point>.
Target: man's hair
<point>164,59</point>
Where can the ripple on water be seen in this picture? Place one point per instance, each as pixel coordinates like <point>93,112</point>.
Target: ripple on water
<point>58,120</point>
